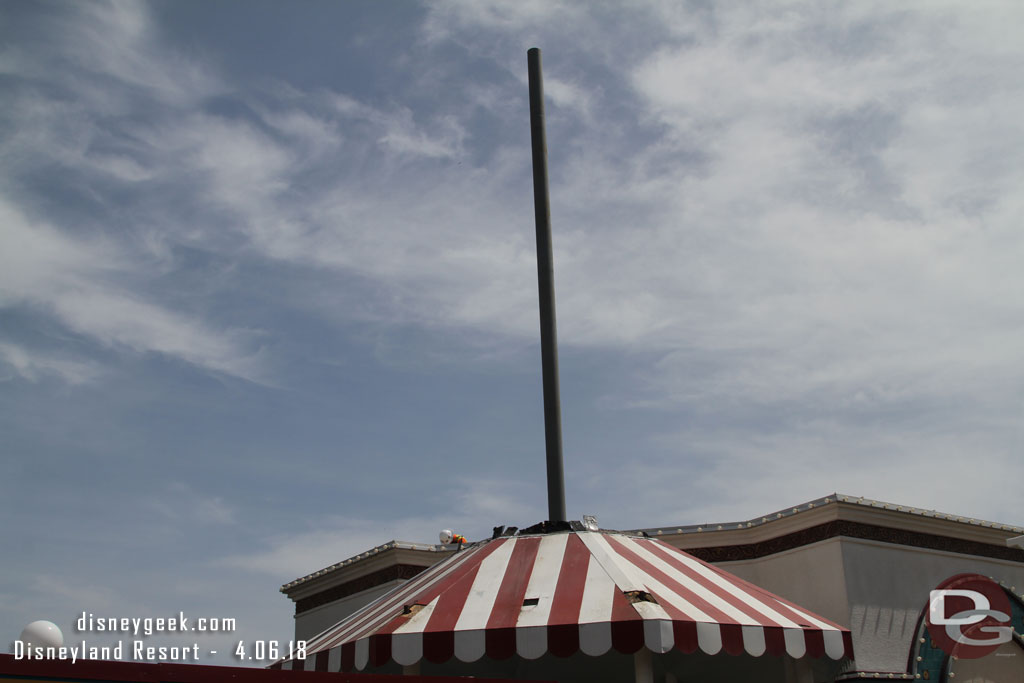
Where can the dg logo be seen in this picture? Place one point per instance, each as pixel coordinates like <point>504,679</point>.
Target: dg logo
<point>969,616</point>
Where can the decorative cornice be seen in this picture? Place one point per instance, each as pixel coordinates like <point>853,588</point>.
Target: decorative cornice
<point>290,587</point>
<point>838,501</point>
<point>851,529</point>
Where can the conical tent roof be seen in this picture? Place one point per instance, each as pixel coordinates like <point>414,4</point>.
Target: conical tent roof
<point>567,592</point>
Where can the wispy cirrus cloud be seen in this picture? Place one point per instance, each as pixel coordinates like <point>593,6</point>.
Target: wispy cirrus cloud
<point>758,202</point>
<point>110,43</point>
<point>33,365</point>
<point>75,280</point>
<point>179,503</point>
<point>800,225</point>
<point>65,118</point>
<point>474,506</point>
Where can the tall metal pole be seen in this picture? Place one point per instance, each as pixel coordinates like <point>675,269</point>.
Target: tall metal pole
<point>546,291</point>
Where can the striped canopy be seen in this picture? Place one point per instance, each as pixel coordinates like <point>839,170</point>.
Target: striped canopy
<point>568,592</point>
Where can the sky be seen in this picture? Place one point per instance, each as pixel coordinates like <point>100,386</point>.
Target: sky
<point>268,279</point>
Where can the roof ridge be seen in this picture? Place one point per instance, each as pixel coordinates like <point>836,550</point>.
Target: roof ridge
<point>830,499</point>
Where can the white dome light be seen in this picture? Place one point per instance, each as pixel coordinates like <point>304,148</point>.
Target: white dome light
<point>42,634</point>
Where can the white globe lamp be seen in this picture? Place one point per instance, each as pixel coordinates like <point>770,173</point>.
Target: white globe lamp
<point>42,634</point>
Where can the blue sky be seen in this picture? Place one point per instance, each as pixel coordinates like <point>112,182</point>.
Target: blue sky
<point>268,295</point>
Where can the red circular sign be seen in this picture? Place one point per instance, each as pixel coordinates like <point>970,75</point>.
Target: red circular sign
<point>968,616</point>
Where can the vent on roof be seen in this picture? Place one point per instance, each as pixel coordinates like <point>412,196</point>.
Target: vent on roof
<point>410,610</point>
<point>530,602</point>
<point>639,596</point>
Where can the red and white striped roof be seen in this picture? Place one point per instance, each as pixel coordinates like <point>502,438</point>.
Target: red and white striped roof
<point>568,592</point>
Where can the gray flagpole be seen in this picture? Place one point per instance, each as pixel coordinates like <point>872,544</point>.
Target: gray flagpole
<point>546,292</point>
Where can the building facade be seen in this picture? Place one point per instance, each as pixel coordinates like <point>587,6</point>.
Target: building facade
<point>866,565</point>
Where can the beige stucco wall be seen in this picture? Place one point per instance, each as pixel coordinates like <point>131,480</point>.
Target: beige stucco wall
<point>887,587</point>
<point>875,589</point>
<point>811,576</point>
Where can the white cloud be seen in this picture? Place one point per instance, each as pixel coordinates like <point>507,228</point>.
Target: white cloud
<point>67,277</point>
<point>469,506</point>
<point>922,464</point>
<point>314,134</point>
<point>110,62</point>
<point>753,228</point>
<point>179,502</point>
<point>116,318</point>
<point>31,364</point>
<point>812,214</point>
<point>121,167</point>
<point>451,19</point>
<point>117,39</point>
<point>98,598</point>
<point>398,132</point>
<point>796,208</point>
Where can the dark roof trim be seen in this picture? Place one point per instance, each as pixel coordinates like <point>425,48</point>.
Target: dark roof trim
<point>377,578</point>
